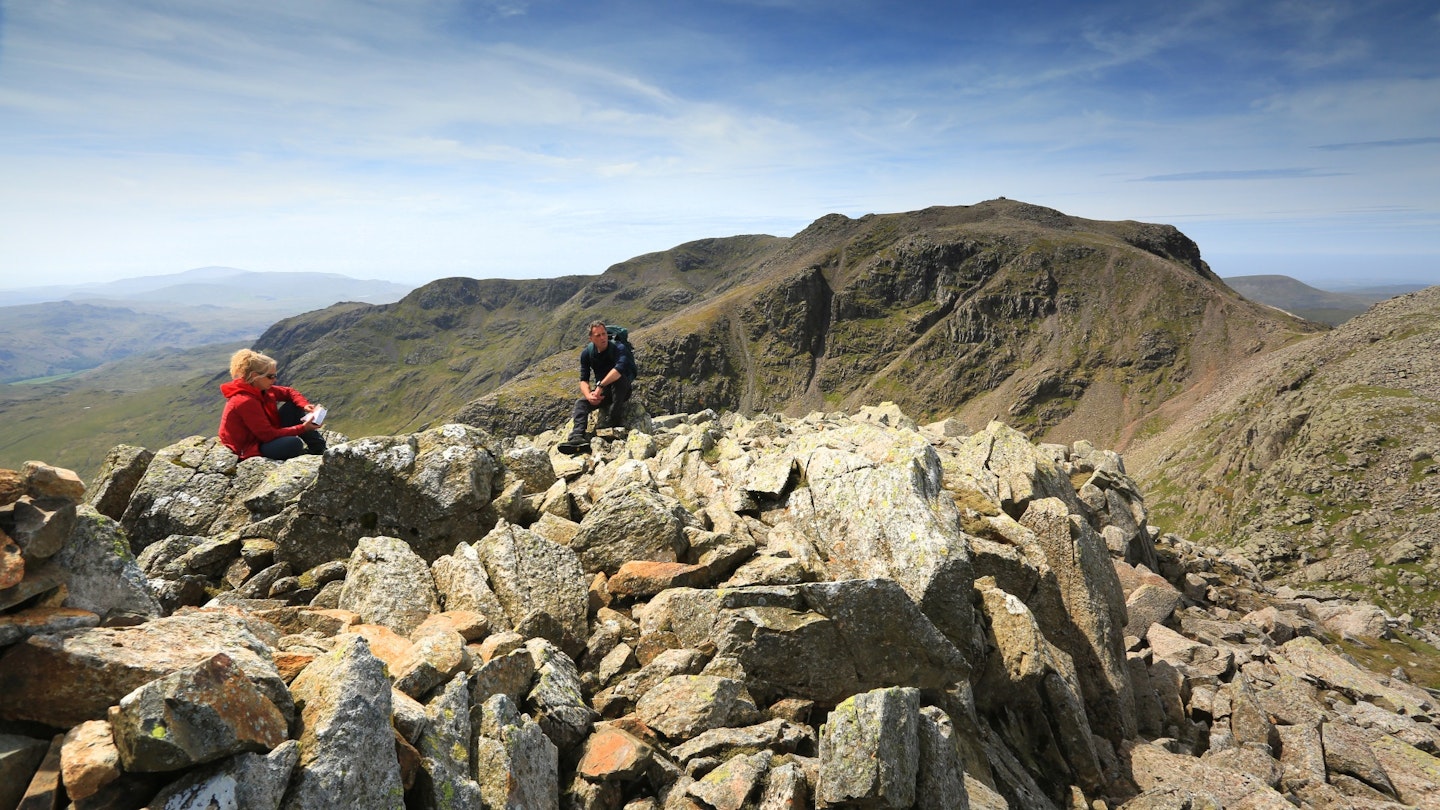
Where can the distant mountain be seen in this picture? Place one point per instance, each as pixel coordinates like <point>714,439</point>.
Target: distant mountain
<point>220,286</point>
<point>95,324</point>
<point>1065,327</point>
<point>1321,306</point>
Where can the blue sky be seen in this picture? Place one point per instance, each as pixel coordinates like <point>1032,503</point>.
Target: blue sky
<point>416,139</point>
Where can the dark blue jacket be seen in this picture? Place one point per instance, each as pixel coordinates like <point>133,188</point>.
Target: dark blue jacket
<point>616,355</point>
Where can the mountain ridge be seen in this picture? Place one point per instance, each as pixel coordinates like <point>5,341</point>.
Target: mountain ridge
<point>1320,461</point>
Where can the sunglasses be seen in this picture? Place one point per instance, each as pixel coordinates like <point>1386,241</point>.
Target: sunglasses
<point>269,376</point>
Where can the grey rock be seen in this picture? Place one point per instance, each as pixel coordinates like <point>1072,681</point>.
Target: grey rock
<point>1154,767</point>
<point>557,701</point>
<point>776,735</point>
<point>1093,618</point>
<point>940,778</point>
<point>389,584</point>
<point>208,558</point>
<point>820,641</point>
<point>347,749</point>
<point>870,750</point>
<point>533,576</point>
<point>281,485</point>
<point>408,715</point>
<point>876,508</point>
<point>530,465</point>
<point>120,472</point>
<point>730,786</point>
<point>510,674</point>
<point>620,698</point>
<point>516,764</point>
<point>1036,679</point>
<point>1347,751</point>
<point>248,781</point>
<point>683,706</point>
<point>187,489</point>
<point>1302,757</point>
<point>196,715</point>
<point>444,780</point>
<point>435,658</point>
<point>786,787</point>
<point>1151,603</point>
<point>462,583</point>
<point>102,575</point>
<point>632,523</point>
<point>430,489</point>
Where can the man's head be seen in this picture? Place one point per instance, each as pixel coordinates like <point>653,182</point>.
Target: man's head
<point>599,336</point>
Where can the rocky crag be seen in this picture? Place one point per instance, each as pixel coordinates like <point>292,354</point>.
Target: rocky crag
<point>1067,328</point>
<point>705,613</point>
<point>1320,465</point>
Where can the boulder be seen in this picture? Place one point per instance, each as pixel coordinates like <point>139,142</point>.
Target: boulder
<point>192,716</point>
<point>682,706</point>
<point>540,585</point>
<point>119,474</point>
<point>462,584</point>
<point>870,750</point>
<point>187,489</point>
<point>67,678</point>
<point>821,641</point>
<point>347,753</point>
<point>556,699</point>
<point>444,780</point>
<point>516,764</point>
<point>631,523</point>
<point>250,781</point>
<point>874,509</point>
<point>730,786</point>
<point>429,489</point>
<point>389,584</point>
<point>1089,622</point>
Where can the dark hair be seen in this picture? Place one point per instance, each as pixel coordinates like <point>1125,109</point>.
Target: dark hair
<point>593,324</point>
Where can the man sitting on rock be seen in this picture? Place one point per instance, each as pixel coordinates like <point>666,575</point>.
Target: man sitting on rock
<point>614,368</point>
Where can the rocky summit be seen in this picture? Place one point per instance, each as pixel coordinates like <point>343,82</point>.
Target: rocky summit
<point>702,613</point>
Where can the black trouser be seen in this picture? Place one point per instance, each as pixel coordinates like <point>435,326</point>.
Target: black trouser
<point>287,447</point>
<point>615,396</point>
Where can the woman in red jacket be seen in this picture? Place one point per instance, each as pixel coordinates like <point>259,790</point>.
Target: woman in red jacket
<point>262,418</point>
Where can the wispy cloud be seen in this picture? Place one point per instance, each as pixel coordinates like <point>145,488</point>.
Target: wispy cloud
<point>1240,174</point>
<point>408,137</point>
<point>1343,147</point>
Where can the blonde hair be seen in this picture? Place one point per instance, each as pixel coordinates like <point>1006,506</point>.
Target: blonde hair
<point>246,364</point>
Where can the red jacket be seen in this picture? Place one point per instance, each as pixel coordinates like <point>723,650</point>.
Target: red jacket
<point>250,418</point>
